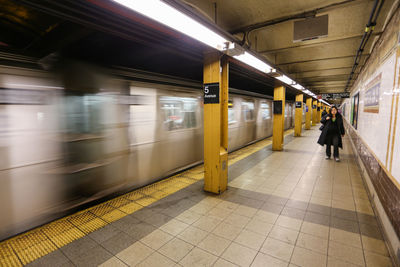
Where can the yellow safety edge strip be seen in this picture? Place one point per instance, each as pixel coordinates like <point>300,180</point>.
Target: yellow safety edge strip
<point>27,247</point>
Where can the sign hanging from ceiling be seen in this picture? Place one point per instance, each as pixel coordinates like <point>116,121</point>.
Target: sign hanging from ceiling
<point>335,95</point>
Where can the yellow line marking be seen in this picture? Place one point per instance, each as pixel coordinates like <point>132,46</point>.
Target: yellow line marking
<point>391,111</point>
<point>27,247</point>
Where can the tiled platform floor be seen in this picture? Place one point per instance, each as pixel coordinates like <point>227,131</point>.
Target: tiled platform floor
<point>290,208</point>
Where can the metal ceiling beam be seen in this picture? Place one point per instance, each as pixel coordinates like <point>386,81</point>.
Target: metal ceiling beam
<point>311,78</point>
<point>326,86</point>
<point>313,70</point>
<point>339,39</point>
<point>317,59</point>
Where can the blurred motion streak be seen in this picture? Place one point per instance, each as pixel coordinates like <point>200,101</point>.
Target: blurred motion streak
<point>76,133</point>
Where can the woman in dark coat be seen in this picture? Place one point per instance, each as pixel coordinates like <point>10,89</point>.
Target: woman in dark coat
<point>332,133</point>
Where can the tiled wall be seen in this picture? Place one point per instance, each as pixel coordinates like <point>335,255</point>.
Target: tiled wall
<point>377,135</point>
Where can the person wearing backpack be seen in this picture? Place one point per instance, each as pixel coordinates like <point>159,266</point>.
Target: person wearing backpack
<point>332,133</point>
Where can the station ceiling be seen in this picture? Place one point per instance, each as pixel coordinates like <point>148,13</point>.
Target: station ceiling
<point>323,64</point>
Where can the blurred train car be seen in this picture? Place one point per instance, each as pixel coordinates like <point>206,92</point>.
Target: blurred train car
<point>64,144</point>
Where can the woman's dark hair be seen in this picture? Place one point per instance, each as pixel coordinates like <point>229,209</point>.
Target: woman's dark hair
<point>333,107</point>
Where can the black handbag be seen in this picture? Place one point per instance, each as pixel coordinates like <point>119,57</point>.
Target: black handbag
<point>322,127</point>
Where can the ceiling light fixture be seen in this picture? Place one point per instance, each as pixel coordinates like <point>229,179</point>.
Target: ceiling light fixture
<point>253,61</point>
<point>298,87</point>
<point>169,16</point>
<point>285,79</point>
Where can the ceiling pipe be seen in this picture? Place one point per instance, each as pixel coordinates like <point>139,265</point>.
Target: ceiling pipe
<point>303,15</point>
<point>369,28</point>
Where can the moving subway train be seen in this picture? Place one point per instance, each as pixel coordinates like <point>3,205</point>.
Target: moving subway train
<point>64,144</point>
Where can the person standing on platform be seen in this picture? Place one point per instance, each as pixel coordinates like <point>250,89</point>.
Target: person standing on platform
<point>323,113</point>
<point>332,133</point>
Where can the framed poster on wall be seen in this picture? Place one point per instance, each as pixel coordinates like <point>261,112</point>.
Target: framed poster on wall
<point>371,97</point>
<point>354,109</point>
<point>344,110</point>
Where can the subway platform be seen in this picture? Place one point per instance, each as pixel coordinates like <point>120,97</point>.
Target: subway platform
<point>289,208</point>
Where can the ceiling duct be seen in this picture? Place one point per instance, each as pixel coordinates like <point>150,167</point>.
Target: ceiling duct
<point>310,28</point>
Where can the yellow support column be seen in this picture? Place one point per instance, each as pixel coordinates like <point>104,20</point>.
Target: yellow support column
<point>314,112</point>
<point>215,122</point>
<point>279,118</point>
<point>298,116</point>
<point>319,111</point>
<point>308,113</point>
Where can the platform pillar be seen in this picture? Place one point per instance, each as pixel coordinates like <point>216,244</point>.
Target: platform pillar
<point>216,77</point>
<point>308,113</point>
<point>298,116</point>
<point>279,118</point>
<point>314,112</point>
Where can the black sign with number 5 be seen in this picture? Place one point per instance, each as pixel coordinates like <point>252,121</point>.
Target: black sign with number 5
<point>211,93</point>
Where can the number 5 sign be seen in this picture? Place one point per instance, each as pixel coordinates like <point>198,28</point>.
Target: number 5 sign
<point>211,93</point>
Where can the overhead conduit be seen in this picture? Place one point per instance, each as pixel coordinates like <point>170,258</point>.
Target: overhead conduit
<point>369,28</point>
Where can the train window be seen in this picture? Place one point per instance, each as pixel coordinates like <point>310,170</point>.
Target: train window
<point>179,112</point>
<point>286,111</point>
<point>83,114</point>
<point>265,111</point>
<point>248,110</point>
<point>231,113</point>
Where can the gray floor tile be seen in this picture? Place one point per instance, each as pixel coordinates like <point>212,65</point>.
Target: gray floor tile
<point>344,214</point>
<point>140,230</point>
<point>319,209</point>
<point>253,195</point>
<point>143,214</point>
<point>293,213</point>
<point>297,204</point>
<point>346,225</point>
<point>272,207</point>
<point>371,231</point>
<point>79,246</point>
<point>92,257</point>
<point>367,219</point>
<point>317,218</point>
<point>277,200</point>
<point>125,223</point>
<point>159,205</point>
<point>158,219</point>
<point>56,258</point>
<point>118,243</point>
<point>241,199</point>
<point>104,233</point>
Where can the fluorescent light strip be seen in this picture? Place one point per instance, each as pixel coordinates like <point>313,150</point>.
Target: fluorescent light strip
<point>298,87</point>
<point>285,79</point>
<point>256,63</point>
<point>169,16</point>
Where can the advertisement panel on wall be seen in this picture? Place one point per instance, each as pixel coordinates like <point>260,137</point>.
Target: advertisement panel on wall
<point>371,96</point>
<point>344,110</point>
<point>354,117</point>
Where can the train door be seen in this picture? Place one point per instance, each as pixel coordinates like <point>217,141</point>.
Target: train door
<point>144,136</point>
<point>85,143</point>
<point>182,127</point>
<point>293,113</point>
<point>248,111</point>
<point>264,119</point>
<point>29,153</point>
<point>233,124</point>
<point>287,121</point>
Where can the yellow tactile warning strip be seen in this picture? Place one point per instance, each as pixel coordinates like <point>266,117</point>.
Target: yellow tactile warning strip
<point>27,247</point>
